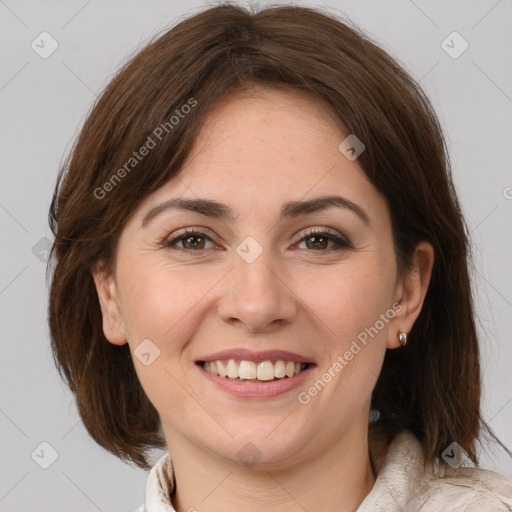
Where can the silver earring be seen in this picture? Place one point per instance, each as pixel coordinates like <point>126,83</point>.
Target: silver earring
<point>402,338</point>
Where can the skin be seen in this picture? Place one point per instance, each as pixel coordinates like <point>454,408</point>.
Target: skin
<point>256,151</point>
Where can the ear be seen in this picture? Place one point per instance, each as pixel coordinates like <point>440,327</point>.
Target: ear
<point>113,323</point>
<point>411,291</point>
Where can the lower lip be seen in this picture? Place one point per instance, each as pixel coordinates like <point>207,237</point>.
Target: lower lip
<point>262,389</point>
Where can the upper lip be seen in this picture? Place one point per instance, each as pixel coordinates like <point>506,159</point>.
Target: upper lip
<point>256,356</point>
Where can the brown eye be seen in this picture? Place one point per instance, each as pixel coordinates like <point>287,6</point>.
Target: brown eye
<point>318,240</point>
<point>191,241</point>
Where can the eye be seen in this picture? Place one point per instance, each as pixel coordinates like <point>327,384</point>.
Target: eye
<point>318,240</point>
<point>192,240</point>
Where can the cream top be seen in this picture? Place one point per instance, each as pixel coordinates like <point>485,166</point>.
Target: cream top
<point>401,483</point>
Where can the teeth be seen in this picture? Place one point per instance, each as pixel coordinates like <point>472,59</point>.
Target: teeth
<point>249,370</point>
<point>221,368</point>
<point>246,370</point>
<point>265,371</point>
<point>213,368</point>
<point>279,369</point>
<point>232,369</point>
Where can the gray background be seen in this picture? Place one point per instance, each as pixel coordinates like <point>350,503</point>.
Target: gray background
<point>43,103</point>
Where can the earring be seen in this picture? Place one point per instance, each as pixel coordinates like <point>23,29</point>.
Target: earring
<point>402,338</point>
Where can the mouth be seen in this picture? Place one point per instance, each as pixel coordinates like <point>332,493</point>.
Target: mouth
<point>255,375</point>
<point>243,370</point>
<point>250,374</point>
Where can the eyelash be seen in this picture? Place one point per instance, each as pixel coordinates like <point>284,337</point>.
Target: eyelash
<point>339,241</point>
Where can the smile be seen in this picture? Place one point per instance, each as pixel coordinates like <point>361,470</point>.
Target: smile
<point>252,371</point>
<point>256,380</point>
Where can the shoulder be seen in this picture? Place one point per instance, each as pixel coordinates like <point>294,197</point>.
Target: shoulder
<point>403,484</point>
<point>464,489</point>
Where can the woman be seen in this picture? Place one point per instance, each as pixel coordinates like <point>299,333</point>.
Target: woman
<point>261,264</point>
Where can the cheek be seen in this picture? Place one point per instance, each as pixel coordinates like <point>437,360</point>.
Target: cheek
<point>159,305</point>
<point>350,306</point>
<point>348,299</point>
<point>158,299</point>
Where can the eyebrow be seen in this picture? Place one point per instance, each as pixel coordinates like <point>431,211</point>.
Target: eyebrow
<point>291,209</point>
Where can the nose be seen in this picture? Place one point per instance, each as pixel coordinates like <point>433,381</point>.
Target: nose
<point>258,296</point>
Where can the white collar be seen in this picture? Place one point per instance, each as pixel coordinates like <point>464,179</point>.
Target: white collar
<point>159,487</point>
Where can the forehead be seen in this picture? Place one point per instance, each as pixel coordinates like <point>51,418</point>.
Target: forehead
<point>265,124</point>
<point>263,147</point>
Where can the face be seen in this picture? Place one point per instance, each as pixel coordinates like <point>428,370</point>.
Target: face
<point>311,286</point>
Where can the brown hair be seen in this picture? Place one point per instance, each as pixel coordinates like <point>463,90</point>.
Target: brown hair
<point>432,386</point>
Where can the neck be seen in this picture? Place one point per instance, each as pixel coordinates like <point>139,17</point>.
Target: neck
<point>336,480</point>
